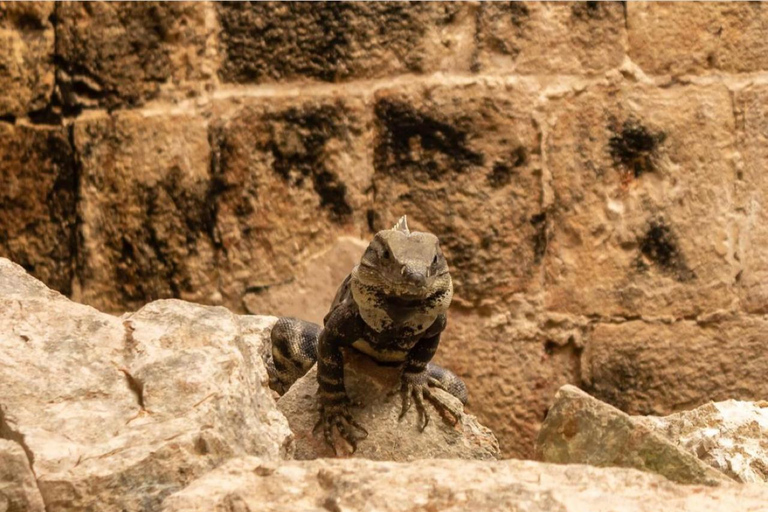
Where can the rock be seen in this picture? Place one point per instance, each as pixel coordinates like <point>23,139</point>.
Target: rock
<point>388,437</point>
<point>550,38</point>
<point>26,57</point>
<point>39,202</point>
<point>18,488</point>
<point>268,42</point>
<point>464,163</point>
<point>636,172</point>
<point>670,38</point>
<point>309,295</point>
<point>290,176</point>
<point>117,413</point>
<point>123,53</point>
<point>659,368</point>
<point>730,436</point>
<point>448,485</point>
<point>146,210</point>
<point>580,429</point>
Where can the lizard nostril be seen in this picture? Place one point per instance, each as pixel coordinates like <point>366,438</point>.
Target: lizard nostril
<point>417,278</point>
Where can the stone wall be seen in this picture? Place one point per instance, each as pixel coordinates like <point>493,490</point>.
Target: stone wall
<point>595,172</point>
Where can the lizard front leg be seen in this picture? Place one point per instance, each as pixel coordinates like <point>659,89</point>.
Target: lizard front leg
<point>332,395</point>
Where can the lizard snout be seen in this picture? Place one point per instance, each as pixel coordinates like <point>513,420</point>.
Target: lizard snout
<point>414,277</point>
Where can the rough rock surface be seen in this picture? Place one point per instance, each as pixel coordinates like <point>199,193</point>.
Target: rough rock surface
<point>26,57</point>
<point>18,488</point>
<point>450,485</point>
<point>731,436</point>
<point>116,413</point>
<point>388,437</point>
<point>580,429</point>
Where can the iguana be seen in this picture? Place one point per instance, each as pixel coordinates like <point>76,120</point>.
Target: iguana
<point>392,307</point>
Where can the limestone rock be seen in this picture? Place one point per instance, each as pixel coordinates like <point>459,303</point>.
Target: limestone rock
<point>580,429</point>
<point>731,436</point>
<point>114,53</point>
<point>464,163</point>
<point>550,37</point>
<point>328,41</point>
<point>388,437</point>
<point>448,485</point>
<point>290,176</point>
<point>18,488</point>
<point>147,215</point>
<point>672,38</point>
<point>38,198</point>
<point>116,413</point>
<point>660,368</point>
<point>636,172</point>
<point>26,57</point>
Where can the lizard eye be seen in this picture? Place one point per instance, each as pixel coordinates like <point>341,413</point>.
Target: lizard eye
<point>434,260</point>
<point>385,254</point>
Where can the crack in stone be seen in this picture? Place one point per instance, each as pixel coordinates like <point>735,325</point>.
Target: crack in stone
<point>9,434</point>
<point>136,386</point>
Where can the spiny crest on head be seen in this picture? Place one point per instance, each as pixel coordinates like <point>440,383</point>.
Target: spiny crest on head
<point>402,225</point>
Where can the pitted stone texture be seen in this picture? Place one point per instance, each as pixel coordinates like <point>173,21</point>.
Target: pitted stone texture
<point>464,163</point>
<point>642,218</point>
<point>18,488</point>
<point>451,485</point>
<point>310,294</point>
<point>330,41</point>
<point>26,57</point>
<point>124,53</point>
<point>290,176</point>
<point>118,413</point>
<point>147,217</point>
<point>38,198</point>
<point>389,438</point>
<point>731,436</point>
<point>566,38</point>
<point>702,38</point>
<point>512,366</point>
<point>652,368</point>
<point>751,107</point>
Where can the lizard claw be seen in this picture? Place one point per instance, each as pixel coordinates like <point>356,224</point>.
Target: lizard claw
<point>414,388</point>
<point>337,415</point>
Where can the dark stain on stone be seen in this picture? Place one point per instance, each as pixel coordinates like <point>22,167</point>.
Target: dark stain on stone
<point>659,246</point>
<point>501,173</point>
<point>539,222</point>
<point>372,217</point>
<point>412,140</point>
<point>634,147</point>
<point>298,145</point>
<point>516,11</point>
<point>589,10</point>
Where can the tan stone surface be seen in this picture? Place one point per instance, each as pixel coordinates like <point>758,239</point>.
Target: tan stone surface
<point>464,163</point>
<point>389,438</point>
<point>114,53</point>
<point>310,293</point>
<point>443,485</point>
<point>703,37</point>
<point>18,488</point>
<point>147,217</point>
<point>26,57</point>
<point>642,214</point>
<point>580,429</point>
<point>751,106</point>
<point>731,436</point>
<point>38,202</point>
<point>550,37</point>
<point>273,41</point>
<point>290,177</point>
<point>653,368</point>
<point>118,413</point>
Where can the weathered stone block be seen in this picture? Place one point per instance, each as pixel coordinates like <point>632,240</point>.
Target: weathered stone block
<point>550,37</point>
<point>751,106</point>
<point>26,56</point>
<point>330,41</point>
<point>679,38</point>
<point>464,164</point>
<point>642,212</point>
<point>147,214</point>
<point>290,176</point>
<point>38,198</point>
<point>114,53</point>
<point>649,368</point>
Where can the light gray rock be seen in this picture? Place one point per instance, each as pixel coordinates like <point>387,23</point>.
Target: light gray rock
<point>251,484</point>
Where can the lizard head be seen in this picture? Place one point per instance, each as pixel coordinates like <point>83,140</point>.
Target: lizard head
<point>404,263</point>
